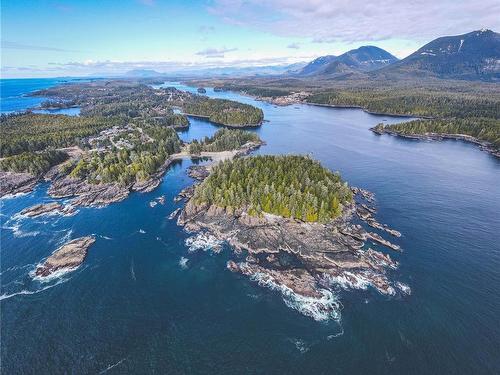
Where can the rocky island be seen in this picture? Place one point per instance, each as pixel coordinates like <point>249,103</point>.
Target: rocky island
<point>66,258</point>
<point>291,225</point>
<point>47,209</point>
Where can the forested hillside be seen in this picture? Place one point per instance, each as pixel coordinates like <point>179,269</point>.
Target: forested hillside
<point>225,112</point>
<point>289,186</point>
<point>224,140</point>
<point>35,132</point>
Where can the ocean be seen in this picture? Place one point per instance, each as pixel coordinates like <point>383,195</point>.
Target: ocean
<point>144,302</point>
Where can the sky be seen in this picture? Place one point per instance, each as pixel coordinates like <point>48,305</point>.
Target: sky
<point>49,38</point>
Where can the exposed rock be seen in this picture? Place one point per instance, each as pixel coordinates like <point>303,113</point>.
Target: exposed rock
<point>377,238</point>
<point>364,194</point>
<point>185,193</point>
<point>87,194</point>
<point>365,213</point>
<point>174,213</point>
<point>147,185</point>
<point>154,181</point>
<point>47,208</point>
<point>198,172</point>
<point>16,183</point>
<point>314,249</point>
<point>67,257</point>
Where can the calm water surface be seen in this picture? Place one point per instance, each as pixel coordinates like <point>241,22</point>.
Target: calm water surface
<point>133,308</point>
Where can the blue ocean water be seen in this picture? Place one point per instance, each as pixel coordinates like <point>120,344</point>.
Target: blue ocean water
<point>14,96</point>
<point>134,308</point>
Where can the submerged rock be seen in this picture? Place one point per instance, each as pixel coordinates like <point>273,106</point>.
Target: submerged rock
<point>68,257</point>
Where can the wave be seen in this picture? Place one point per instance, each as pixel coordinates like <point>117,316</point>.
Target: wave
<point>15,268</point>
<point>335,335</point>
<point>61,241</point>
<point>132,270</point>
<point>327,307</point>
<point>13,196</point>
<point>349,280</point>
<point>404,288</point>
<point>112,366</point>
<point>29,292</point>
<point>14,224</point>
<point>360,281</point>
<point>53,276</point>
<point>204,241</point>
<point>102,236</point>
<point>301,345</point>
<point>183,263</point>
<point>142,231</point>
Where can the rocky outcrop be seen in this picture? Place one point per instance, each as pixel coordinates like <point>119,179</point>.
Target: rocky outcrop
<point>300,259</point>
<point>16,183</point>
<point>174,214</point>
<point>87,194</point>
<point>46,209</point>
<point>154,181</point>
<point>66,258</point>
<point>295,254</point>
<point>198,172</point>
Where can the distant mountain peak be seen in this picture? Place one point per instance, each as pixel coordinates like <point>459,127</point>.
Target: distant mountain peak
<point>474,55</point>
<point>362,59</point>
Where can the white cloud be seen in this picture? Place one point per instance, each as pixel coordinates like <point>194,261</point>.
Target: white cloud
<point>360,20</point>
<point>293,46</point>
<point>215,52</point>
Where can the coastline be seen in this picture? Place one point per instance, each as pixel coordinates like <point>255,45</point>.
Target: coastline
<point>203,117</point>
<point>483,145</point>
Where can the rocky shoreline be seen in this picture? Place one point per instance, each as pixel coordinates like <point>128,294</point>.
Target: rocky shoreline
<point>66,258</point>
<point>47,209</point>
<point>483,145</point>
<point>12,183</point>
<point>302,257</point>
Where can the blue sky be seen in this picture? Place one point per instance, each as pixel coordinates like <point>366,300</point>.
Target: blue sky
<point>55,37</point>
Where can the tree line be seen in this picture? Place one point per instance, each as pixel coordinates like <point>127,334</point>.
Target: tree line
<point>35,132</point>
<point>223,140</point>
<point>225,112</point>
<point>289,186</point>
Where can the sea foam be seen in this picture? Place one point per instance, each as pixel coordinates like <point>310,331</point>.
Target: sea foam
<point>326,307</point>
<point>203,241</point>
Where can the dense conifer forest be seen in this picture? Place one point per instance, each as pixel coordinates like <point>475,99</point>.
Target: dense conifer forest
<point>289,186</point>
<point>36,132</point>
<point>224,140</point>
<point>225,112</point>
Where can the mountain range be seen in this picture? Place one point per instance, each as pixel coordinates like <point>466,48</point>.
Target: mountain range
<point>472,56</point>
<point>475,55</point>
<point>363,59</point>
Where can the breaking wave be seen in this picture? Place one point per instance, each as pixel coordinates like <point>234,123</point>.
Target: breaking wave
<point>183,263</point>
<point>404,288</point>
<point>6,296</point>
<point>203,241</point>
<point>349,280</point>
<point>327,307</point>
<point>53,276</point>
<point>301,345</point>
